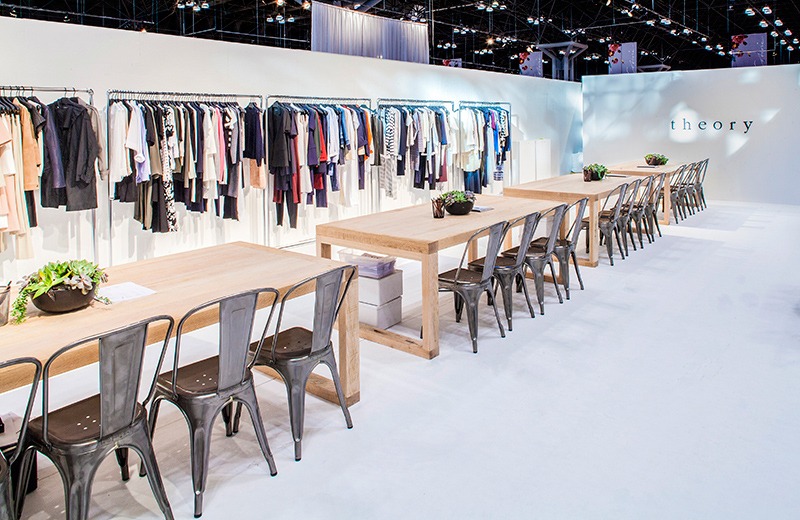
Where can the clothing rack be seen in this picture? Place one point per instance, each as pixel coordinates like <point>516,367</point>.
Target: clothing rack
<point>155,95</point>
<point>415,102</point>
<point>21,90</point>
<point>503,105</point>
<point>319,100</point>
<point>485,104</point>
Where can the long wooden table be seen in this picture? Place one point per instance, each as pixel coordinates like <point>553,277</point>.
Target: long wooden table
<point>183,281</point>
<point>640,169</point>
<point>413,233</point>
<point>568,189</point>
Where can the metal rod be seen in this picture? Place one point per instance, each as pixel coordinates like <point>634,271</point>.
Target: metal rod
<point>420,102</point>
<point>485,104</point>
<point>319,99</point>
<point>136,94</point>
<point>65,90</point>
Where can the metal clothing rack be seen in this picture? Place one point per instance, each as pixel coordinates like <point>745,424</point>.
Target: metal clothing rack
<point>21,90</point>
<point>155,95</point>
<point>382,102</point>
<point>503,105</point>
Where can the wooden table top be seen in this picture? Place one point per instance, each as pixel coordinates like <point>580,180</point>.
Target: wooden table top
<point>566,188</point>
<point>415,230</point>
<point>181,281</point>
<point>642,169</point>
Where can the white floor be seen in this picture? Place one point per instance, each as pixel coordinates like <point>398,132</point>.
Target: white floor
<point>669,388</point>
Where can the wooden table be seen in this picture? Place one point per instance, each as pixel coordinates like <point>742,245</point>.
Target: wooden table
<point>640,169</point>
<point>413,233</point>
<point>183,281</point>
<point>568,189</point>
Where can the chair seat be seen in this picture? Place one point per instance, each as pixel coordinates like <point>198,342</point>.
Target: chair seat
<point>465,276</point>
<point>198,378</point>
<point>502,261</point>
<point>541,243</point>
<point>75,423</point>
<point>294,343</point>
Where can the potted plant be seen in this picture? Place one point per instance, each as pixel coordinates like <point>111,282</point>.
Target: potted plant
<point>656,159</point>
<point>594,172</point>
<point>458,202</point>
<point>59,287</point>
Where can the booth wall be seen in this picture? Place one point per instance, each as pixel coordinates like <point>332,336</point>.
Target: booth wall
<point>46,53</point>
<point>745,120</point>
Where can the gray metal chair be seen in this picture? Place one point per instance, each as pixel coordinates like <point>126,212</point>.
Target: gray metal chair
<point>201,390</point>
<point>651,209</point>
<point>507,269</point>
<point>565,247</point>
<point>677,190</point>
<point>12,493</point>
<point>609,222</point>
<point>540,254</point>
<point>698,186</point>
<point>295,352</point>
<point>637,211</point>
<point>629,200</point>
<point>78,437</point>
<point>467,286</point>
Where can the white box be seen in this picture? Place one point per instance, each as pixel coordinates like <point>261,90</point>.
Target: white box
<point>381,316</point>
<point>377,291</point>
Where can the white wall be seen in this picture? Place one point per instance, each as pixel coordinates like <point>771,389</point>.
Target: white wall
<point>627,116</point>
<point>44,53</point>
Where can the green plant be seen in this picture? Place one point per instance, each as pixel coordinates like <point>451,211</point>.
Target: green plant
<point>76,275</point>
<point>597,170</point>
<point>456,196</point>
<point>656,159</point>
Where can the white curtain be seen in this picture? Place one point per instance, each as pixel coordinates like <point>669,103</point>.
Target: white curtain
<point>343,31</point>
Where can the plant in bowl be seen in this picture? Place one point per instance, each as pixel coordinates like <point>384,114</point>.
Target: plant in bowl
<point>656,159</point>
<point>458,202</point>
<point>594,172</point>
<point>59,287</point>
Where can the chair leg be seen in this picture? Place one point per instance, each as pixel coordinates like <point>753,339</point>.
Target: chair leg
<point>538,282</point>
<point>587,241</point>
<point>555,279</point>
<point>619,245</point>
<point>144,447</point>
<point>78,476</point>
<point>497,316</point>
<point>249,399</point>
<point>237,417</point>
<point>472,321</point>
<point>122,460</point>
<point>296,387</point>
<point>577,271</point>
<point>227,413</point>
<point>458,303</point>
<point>506,288</point>
<point>524,284</point>
<point>330,361</point>
<point>610,250</point>
<point>28,456</point>
<point>200,424</point>
<point>563,270</point>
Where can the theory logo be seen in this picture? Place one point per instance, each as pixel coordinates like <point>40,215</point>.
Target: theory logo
<point>719,126</point>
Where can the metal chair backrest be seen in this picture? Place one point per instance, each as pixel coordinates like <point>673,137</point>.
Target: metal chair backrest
<point>496,233</point>
<point>630,194</point>
<point>235,316</point>
<point>644,191</point>
<point>328,299</point>
<point>36,374</point>
<point>575,227</point>
<point>619,193</point>
<point>678,175</point>
<point>528,229</point>
<point>701,175</point>
<point>656,188</point>
<point>121,352</point>
<point>557,214</point>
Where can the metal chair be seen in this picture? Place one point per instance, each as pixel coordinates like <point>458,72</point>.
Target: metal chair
<point>565,247</point>
<point>201,390</point>
<point>676,190</point>
<point>12,493</point>
<point>467,286</point>
<point>541,254</point>
<point>698,186</point>
<point>636,211</point>
<point>78,437</point>
<point>651,209</point>
<point>295,352</point>
<point>507,269</point>
<point>629,199</point>
<point>608,222</point>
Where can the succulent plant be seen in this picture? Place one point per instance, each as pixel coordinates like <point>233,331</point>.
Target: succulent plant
<point>456,196</point>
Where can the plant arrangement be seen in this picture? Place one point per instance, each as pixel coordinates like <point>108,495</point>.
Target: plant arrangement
<point>656,159</point>
<point>594,172</point>
<point>456,196</point>
<point>73,275</point>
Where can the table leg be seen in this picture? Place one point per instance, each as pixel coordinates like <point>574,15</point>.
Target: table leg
<point>665,218</point>
<point>349,349</point>
<point>472,254</point>
<point>430,304</point>
<point>323,249</point>
<point>594,233</point>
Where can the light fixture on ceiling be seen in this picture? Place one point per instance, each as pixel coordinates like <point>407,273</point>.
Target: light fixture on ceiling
<point>181,5</point>
<point>270,19</point>
<point>778,22</point>
<point>196,8</point>
<point>790,48</point>
<point>204,5</point>
<point>795,41</point>
<point>530,19</point>
<point>721,53</point>
<point>480,6</point>
<point>673,32</point>
<point>766,10</point>
<point>495,4</point>
<point>666,21</point>
<point>763,23</point>
<point>651,23</point>
<point>306,5</point>
<point>280,3</point>
<point>750,11</point>
<point>190,3</point>
<point>290,19</point>
<point>703,39</point>
<point>489,8</point>
<point>279,17</point>
<point>686,30</point>
<point>783,42</point>
<point>787,32</point>
<point>489,41</point>
<point>503,7</point>
<point>708,47</point>
<point>694,42</point>
<point>774,34</point>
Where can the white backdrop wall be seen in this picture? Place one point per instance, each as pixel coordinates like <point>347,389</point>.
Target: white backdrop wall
<point>45,53</point>
<point>745,120</point>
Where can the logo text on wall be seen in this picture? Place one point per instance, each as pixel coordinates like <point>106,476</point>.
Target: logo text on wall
<point>688,125</point>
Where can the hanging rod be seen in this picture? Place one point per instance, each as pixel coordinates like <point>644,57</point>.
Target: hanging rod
<point>65,90</point>
<point>319,99</point>
<point>142,94</point>
<point>487,104</point>
<point>421,102</point>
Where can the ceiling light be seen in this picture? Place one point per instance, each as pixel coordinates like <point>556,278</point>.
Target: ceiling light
<point>686,30</point>
<point>423,20</point>
<point>495,4</point>
<point>530,19</point>
<point>355,6</point>
<point>708,47</point>
<point>280,2</point>
<point>719,47</point>
<point>536,22</point>
<point>503,7</point>
<point>763,23</point>
<point>279,17</point>
<point>181,5</point>
<point>190,3</point>
<point>694,42</point>
<point>766,10</point>
<point>787,32</point>
<point>438,45</point>
<point>455,29</point>
<point>721,53</point>
<point>750,11</point>
<point>778,22</point>
<point>795,41</point>
<point>783,42</point>
<point>489,51</point>
<point>703,39</point>
<point>673,32</point>
<point>270,19</point>
<point>480,6</point>
<point>789,48</point>
<point>204,5</point>
<point>650,22</point>
<point>489,40</point>
<point>196,8</point>
<point>290,19</point>
<point>306,5</point>
<point>666,21</point>
<point>282,22</point>
<point>489,8</point>
<point>774,34</point>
